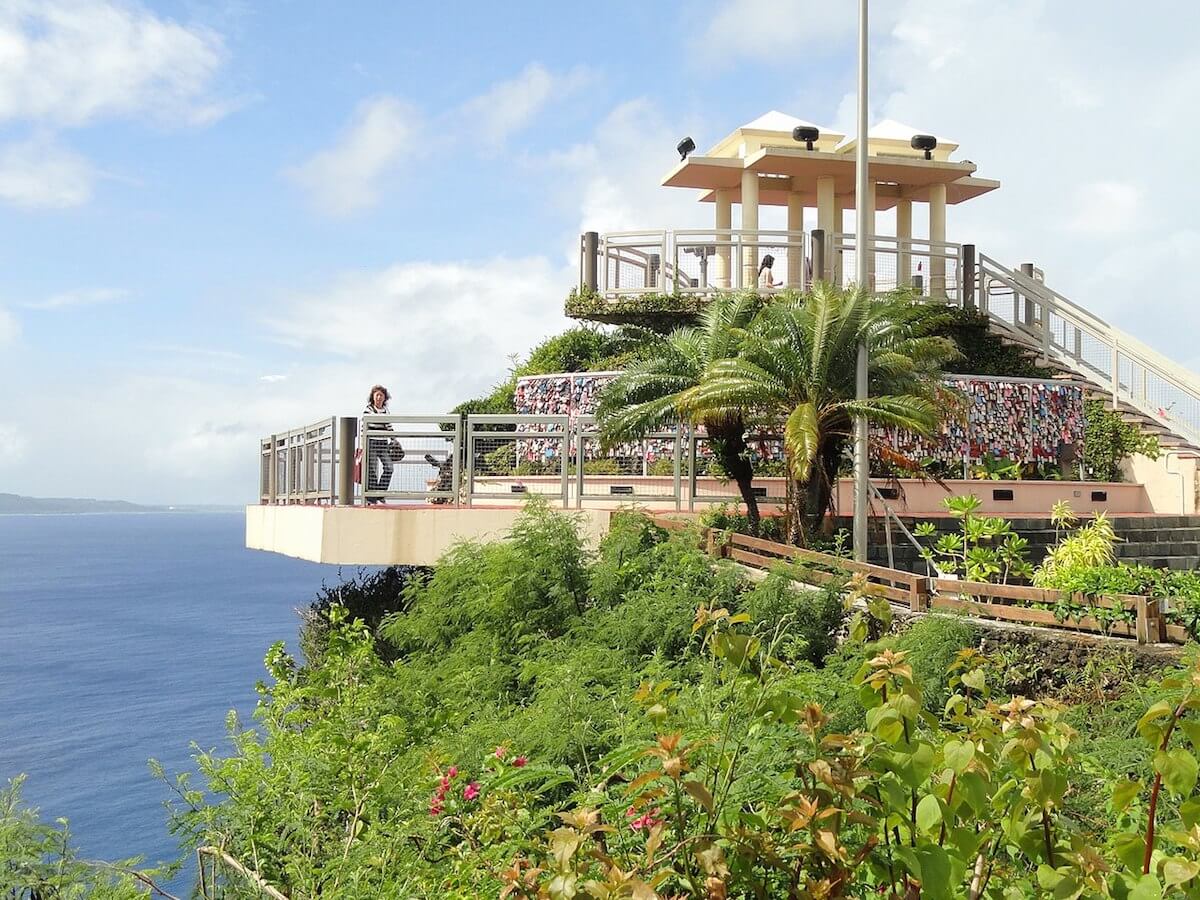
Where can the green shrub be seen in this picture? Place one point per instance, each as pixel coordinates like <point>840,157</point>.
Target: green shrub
<point>1108,440</point>
<point>370,598</point>
<point>805,619</point>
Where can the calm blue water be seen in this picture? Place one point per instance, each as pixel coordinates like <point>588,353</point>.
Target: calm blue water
<point>124,637</point>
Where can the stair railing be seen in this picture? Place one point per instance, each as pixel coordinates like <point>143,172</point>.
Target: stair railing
<point>1082,342</point>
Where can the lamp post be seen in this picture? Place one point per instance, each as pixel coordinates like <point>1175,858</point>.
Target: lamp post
<point>862,482</point>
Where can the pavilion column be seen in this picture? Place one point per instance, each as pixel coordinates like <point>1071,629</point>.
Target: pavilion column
<point>937,236</point>
<point>869,231</point>
<point>795,225</point>
<point>826,210</point>
<point>903,237</point>
<point>724,249</point>
<point>749,228</point>
<point>839,227</point>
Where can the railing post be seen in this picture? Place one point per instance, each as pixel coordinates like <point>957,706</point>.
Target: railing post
<point>579,463</point>
<point>347,427</point>
<point>918,283</point>
<point>653,270</point>
<point>967,275</point>
<point>678,457</point>
<point>1027,315</point>
<point>590,250</point>
<point>1116,371</point>
<point>565,444</point>
<point>273,471</point>
<point>818,252</point>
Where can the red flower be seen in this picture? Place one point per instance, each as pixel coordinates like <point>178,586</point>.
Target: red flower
<point>435,807</point>
<point>520,761</point>
<point>471,791</point>
<point>500,753</point>
<point>452,772</point>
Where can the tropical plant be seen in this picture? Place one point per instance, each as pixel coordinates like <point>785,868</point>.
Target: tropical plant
<point>1089,546</point>
<point>647,395</point>
<point>984,549</point>
<point>797,364</point>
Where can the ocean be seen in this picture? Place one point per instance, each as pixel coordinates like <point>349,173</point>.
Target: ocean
<point>125,637</point>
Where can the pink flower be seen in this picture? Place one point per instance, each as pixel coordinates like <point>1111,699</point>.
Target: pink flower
<point>471,791</point>
<point>520,761</point>
<point>444,784</point>
<point>645,821</point>
<point>452,772</point>
<point>435,807</point>
<point>500,752</point>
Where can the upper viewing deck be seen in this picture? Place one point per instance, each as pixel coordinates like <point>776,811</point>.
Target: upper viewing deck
<point>465,477</point>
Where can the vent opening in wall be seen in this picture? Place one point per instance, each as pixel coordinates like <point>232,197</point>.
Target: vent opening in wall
<point>759,491</point>
<point>1099,496</point>
<point>620,489</point>
<point>518,489</point>
<point>1002,494</point>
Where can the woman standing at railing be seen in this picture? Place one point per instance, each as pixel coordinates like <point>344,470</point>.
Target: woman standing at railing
<point>765,278</point>
<point>381,452</point>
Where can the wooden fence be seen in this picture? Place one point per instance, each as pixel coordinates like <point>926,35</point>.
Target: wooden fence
<point>1122,615</point>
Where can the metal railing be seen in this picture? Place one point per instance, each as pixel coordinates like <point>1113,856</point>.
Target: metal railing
<point>409,458</point>
<point>695,261</point>
<point>299,466</point>
<point>1079,341</point>
<point>511,457</point>
<point>932,268</point>
<point>708,484</point>
<point>646,470</point>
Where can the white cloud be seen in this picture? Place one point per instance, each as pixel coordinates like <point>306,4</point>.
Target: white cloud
<point>9,327</point>
<point>272,379</point>
<point>772,31</point>
<point>1106,208</point>
<point>79,297</point>
<point>509,106</point>
<point>350,175</point>
<point>39,173</point>
<point>71,62</point>
<point>13,445</point>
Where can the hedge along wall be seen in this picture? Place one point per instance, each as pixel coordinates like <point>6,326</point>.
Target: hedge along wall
<point>1025,420</point>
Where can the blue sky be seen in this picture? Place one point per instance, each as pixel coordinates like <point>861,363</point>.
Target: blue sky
<point>222,219</point>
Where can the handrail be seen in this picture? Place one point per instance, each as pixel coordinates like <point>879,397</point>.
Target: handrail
<point>1118,345</point>
<point>889,513</point>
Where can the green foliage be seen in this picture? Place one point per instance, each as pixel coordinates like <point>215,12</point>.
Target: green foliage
<point>804,620</point>
<point>38,861</point>
<point>983,353</point>
<point>985,549</point>
<point>1090,546</point>
<point>655,310</point>
<point>367,597</point>
<point>1108,440</point>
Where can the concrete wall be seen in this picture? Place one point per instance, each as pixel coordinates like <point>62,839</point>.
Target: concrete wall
<point>1171,481</point>
<point>361,536</point>
<point>1030,498</point>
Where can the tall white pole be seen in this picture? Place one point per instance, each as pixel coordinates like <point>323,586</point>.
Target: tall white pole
<point>862,481</point>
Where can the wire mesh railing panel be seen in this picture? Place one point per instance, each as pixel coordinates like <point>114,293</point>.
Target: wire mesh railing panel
<point>409,458</point>
<point>786,257</point>
<point>634,263</point>
<point>708,481</point>
<point>643,470</point>
<point>706,262</point>
<point>516,456</point>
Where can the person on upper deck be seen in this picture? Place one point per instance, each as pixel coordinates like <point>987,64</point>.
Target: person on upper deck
<point>381,452</point>
<point>765,278</point>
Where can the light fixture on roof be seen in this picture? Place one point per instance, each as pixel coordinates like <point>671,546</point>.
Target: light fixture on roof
<point>926,142</point>
<point>807,134</point>
<point>686,146</point>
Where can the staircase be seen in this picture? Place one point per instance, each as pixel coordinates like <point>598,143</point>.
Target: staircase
<point>1144,386</point>
<point>1167,542</point>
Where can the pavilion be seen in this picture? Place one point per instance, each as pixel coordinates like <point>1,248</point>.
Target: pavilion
<point>762,164</point>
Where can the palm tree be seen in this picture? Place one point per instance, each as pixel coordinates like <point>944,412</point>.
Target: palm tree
<point>797,365</point>
<point>645,397</point>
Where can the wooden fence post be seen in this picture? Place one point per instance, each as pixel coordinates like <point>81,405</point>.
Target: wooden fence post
<point>1143,621</point>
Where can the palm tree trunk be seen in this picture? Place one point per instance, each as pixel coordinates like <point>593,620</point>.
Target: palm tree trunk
<point>729,443</point>
<point>817,494</point>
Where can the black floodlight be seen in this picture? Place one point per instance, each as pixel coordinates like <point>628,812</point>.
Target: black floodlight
<point>806,134</point>
<point>926,142</point>
<point>686,146</point>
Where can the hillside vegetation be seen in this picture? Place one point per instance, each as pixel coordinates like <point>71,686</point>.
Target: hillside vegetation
<point>639,722</point>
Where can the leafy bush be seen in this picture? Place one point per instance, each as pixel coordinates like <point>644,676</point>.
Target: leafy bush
<point>1108,440</point>
<point>804,620</point>
<point>1090,546</point>
<point>367,597</point>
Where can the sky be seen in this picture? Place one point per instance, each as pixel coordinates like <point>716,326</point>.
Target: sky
<point>224,219</point>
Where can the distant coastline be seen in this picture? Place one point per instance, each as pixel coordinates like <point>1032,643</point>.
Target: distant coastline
<point>15,504</point>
